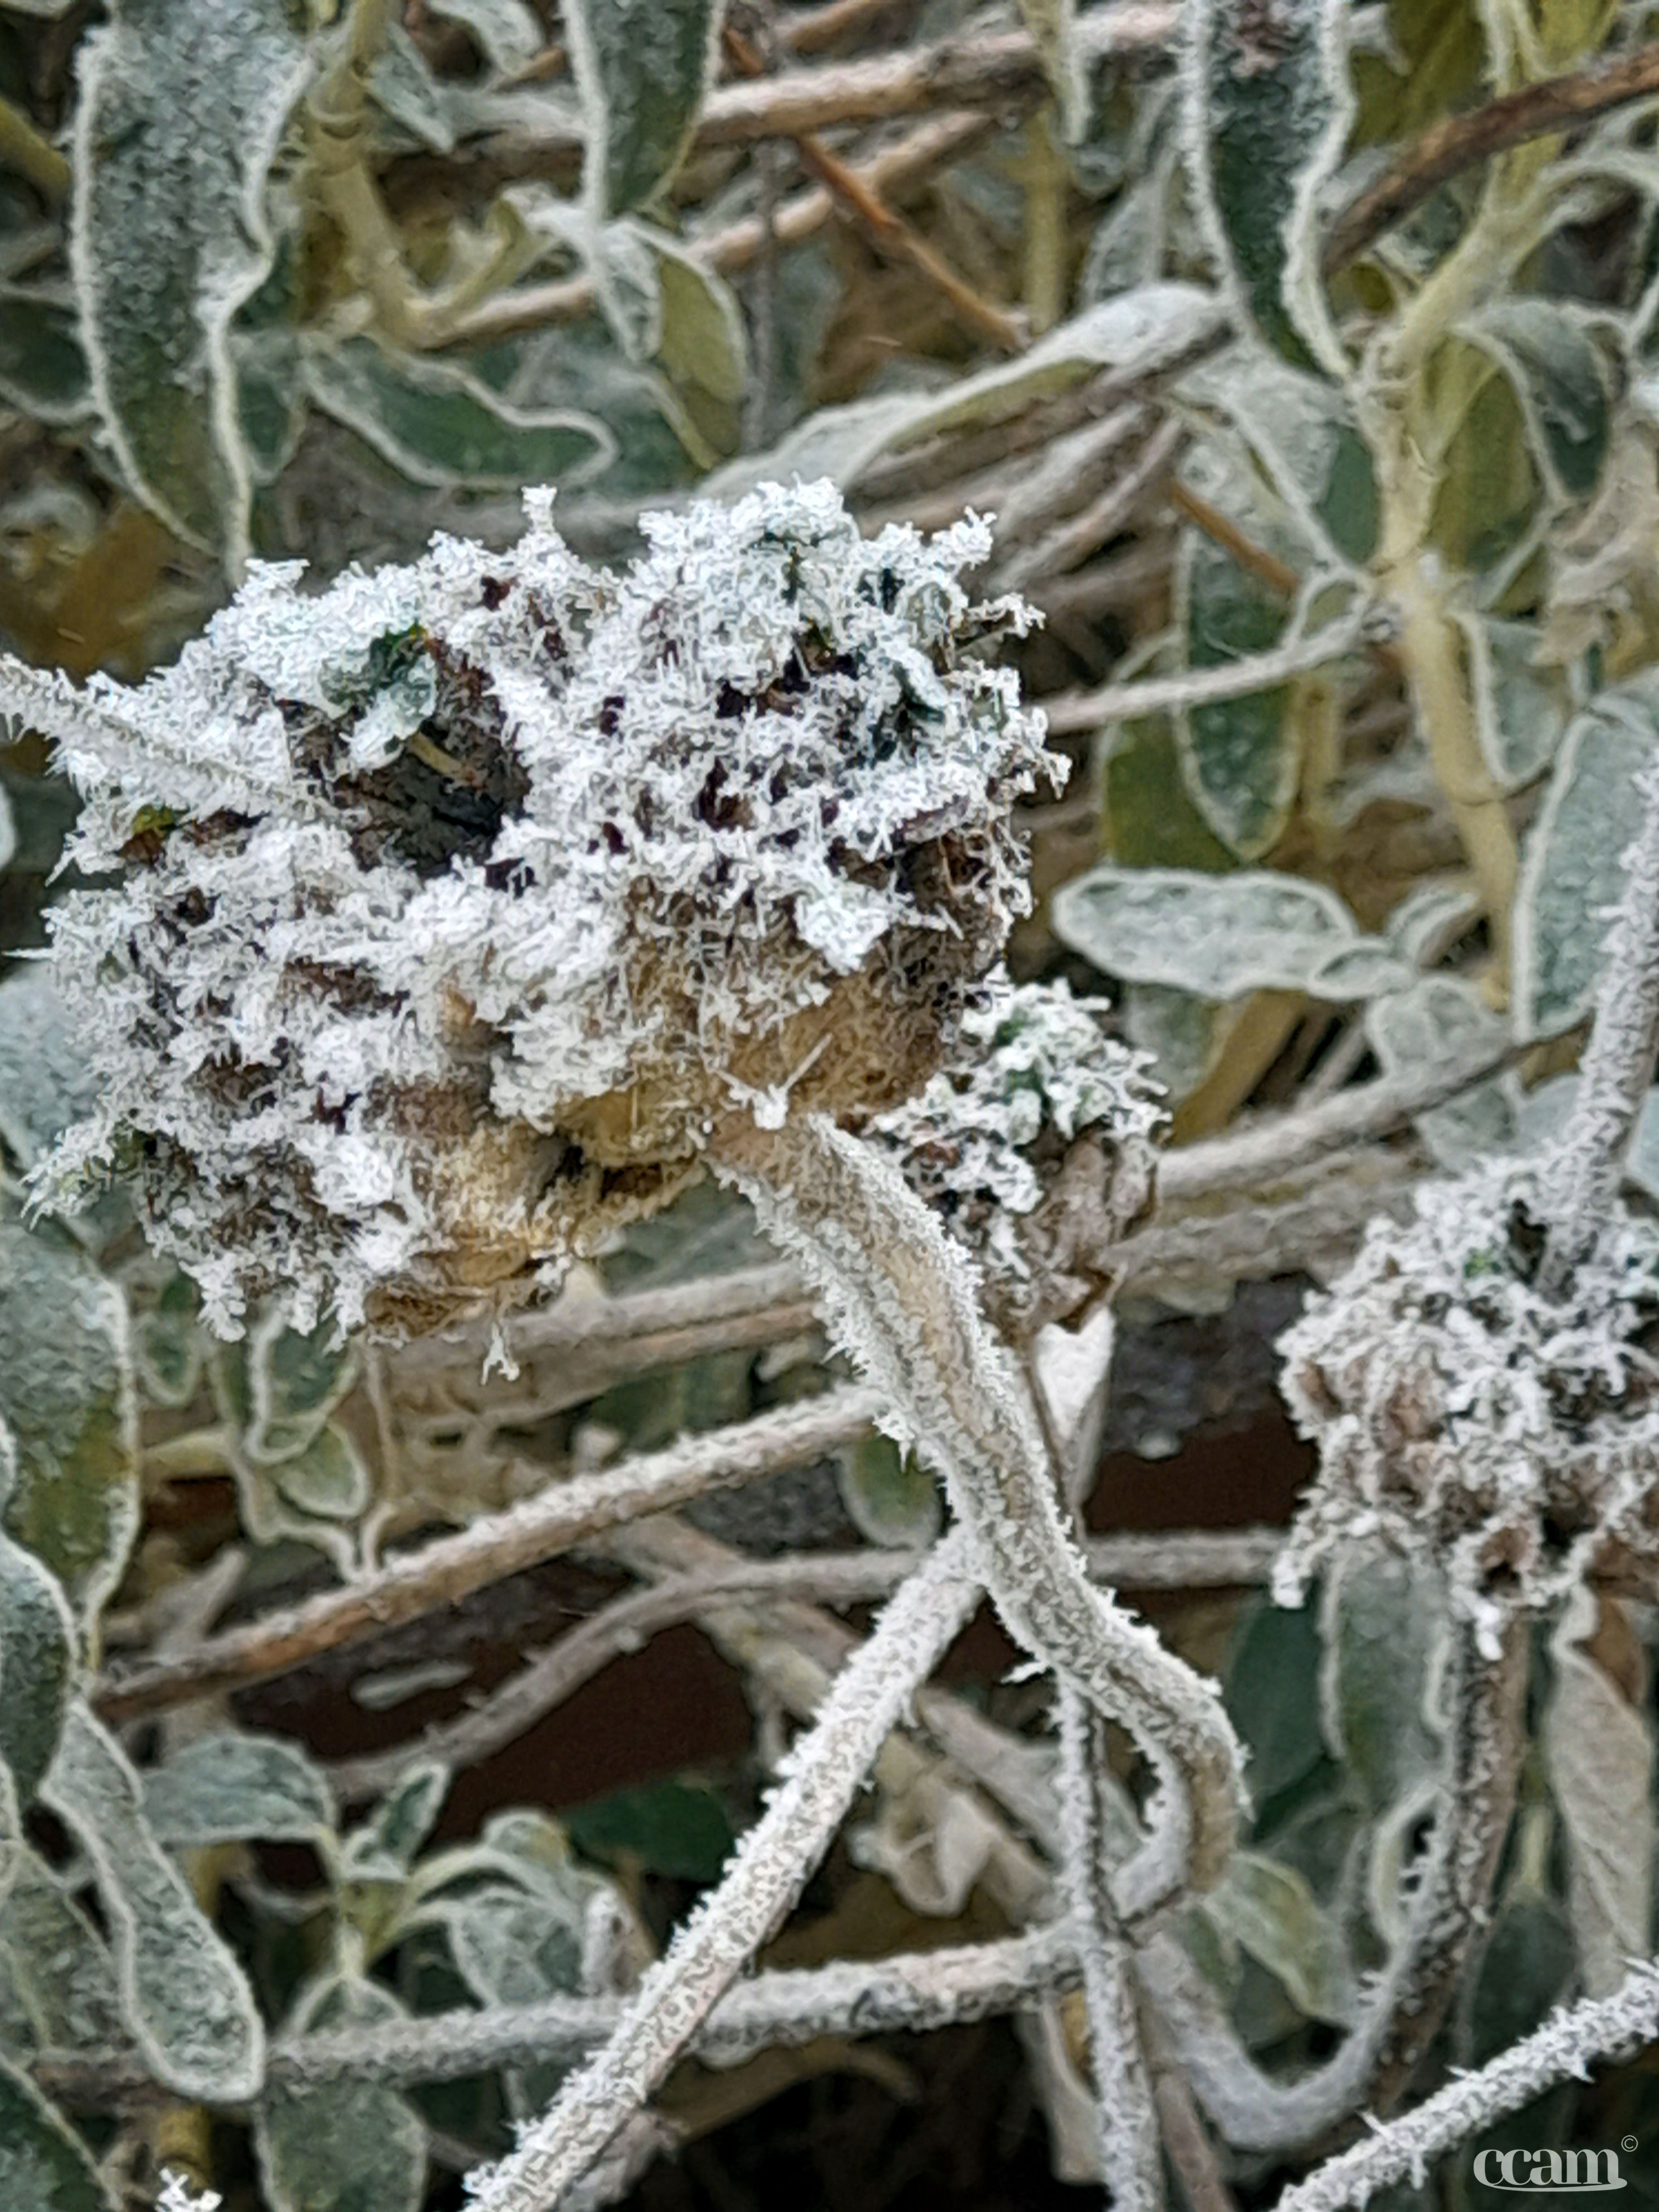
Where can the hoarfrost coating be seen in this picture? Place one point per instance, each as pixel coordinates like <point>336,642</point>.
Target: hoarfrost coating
<point>1461,1409</point>
<point>444,912</point>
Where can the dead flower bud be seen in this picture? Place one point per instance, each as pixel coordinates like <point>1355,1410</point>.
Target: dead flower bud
<point>443,913</point>
<point>1462,1413</point>
<point>1033,1143</point>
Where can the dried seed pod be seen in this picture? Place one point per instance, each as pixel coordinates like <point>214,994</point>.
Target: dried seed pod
<point>1461,1410</point>
<point>454,906</point>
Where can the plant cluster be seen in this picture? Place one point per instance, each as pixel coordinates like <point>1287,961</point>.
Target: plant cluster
<point>666,953</point>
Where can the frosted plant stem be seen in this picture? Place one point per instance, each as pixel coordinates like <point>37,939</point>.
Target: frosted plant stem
<point>762,1881</point>
<point>1486,1700</point>
<point>1601,2029</point>
<point>1618,1064</point>
<point>909,1992</point>
<point>1126,2116</point>
<point>901,1298</point>
<point>562,1514</point>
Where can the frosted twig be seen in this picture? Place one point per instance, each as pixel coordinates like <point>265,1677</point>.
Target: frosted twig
<point>1600,2030</point>
<point>565,1513</point>
<point>1617,1067</point>
<point>1257,2112</point>
<point>902,1297</point>
<point>1271,1148</point>
<point>1125,2119</point>
<point>1117,702</point>
<point>763,1879</point>
<point>909,1992</point>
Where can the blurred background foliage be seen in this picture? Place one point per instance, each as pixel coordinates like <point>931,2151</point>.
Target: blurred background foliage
<point>1307,359</point>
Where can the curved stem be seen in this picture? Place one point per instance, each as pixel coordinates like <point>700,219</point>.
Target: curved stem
<point>1254,2113</point>
<point>762,1881</point>
<point>901,1298</point>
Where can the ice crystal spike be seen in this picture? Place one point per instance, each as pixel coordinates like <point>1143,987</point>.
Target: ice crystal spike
<point>443,913</point>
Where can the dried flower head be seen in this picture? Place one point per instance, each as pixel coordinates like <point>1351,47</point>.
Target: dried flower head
<point>455,904</point>
<point>1459,1410</point>
<point>1033,1143</point>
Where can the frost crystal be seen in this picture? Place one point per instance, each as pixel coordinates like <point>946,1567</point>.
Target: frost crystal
<point>452,906</point>
<point>993,1143</point>
<point>1461,1412</point>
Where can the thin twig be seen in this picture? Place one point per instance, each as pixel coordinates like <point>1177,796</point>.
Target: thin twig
<point>909,1993</point>
<point>26,152</point>
<point>1071,712</point>
<point>1460,141</point>
<point>565,1513</point>
<point>534,306</point>
<point>1599,2031</point>
<point>763,1879</point>
<point>1271,1148</point>
<point>888,232</point>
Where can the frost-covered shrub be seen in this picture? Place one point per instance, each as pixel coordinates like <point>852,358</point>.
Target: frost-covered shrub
<point>1469,1416</point>
<point>1035,1136</point>
<point>454,906</point>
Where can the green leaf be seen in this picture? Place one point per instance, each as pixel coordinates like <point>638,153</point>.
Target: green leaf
<point>403,1818</point>
<point>43,370</point>
<point>1274,1660</point>
<point>66,1392</point>
<point>46,1079</point>
<point>328,1478</point>
<point>166,1343</point>
<point>44,2165</point>
<point>37,1664</point>
<point>1521,708</point>
<point>1598,1752</point>
<point>1266,109</point>
<point>1442,1018</point>
<point>53,1968</point>
<point>642,67</point>
<point>890,1498</point>
<point>1572,871</point>
<point>403,87</point>
<point>236,1787</point>
<point>701,348</point>
<point>1301,434</point>
<point>1150,821</point>
<point>506,32</point>
<point>180,117</point>
<point>682,1829</point>
<point>1381,1620</point>
<point>183,1996</point>
<point>1270,1913</point>
<point>1221,936</point>
<point>294,1383</point>
<point>1524,1971</point>
<point>1241,757</point>
<point>1184,1034</point>
<point>440,426</point>
<point>349,2146</point>
<point>1562,381</point>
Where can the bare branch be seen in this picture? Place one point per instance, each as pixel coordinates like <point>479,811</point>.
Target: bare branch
<point>565,1513</point>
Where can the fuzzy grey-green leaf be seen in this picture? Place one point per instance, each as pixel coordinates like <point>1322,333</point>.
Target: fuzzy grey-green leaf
<point>348,2146</point>
<point>66,1391</point>
<point>236,1787</point>
<point>37,1665</point>
<point>1239,755</point>
<point>183,1996</point>
<point>44,2165</point>
<point>180,117</point>
<point>642,67</point>
<point>440,426</point>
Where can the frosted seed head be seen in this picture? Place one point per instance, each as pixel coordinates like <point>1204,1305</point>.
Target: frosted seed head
<point>1511,1435</point>
<point>1033,1143</point>
<point>444,913</point>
